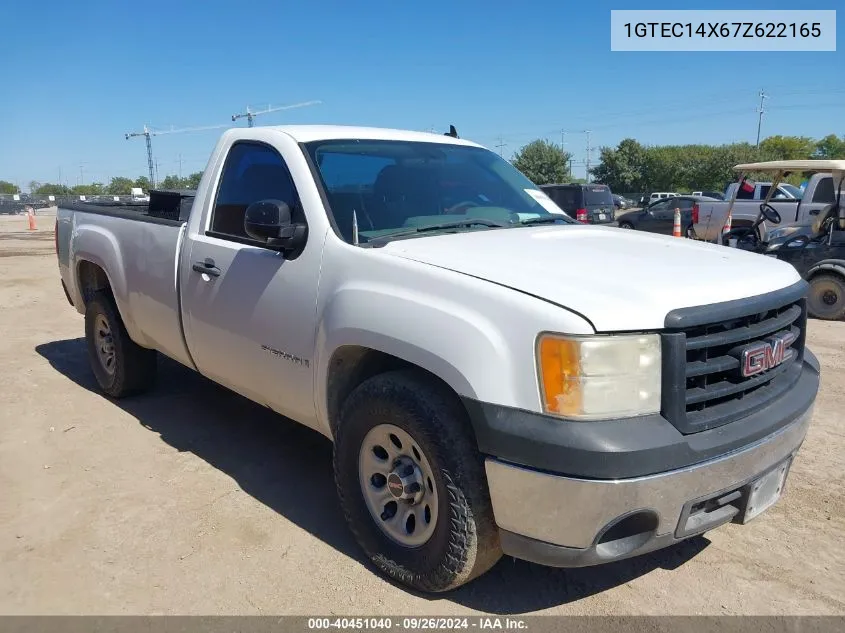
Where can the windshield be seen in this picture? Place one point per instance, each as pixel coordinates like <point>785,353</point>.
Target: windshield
<point>792,190</point>
<point>393,186</point>
<point>594,196</point>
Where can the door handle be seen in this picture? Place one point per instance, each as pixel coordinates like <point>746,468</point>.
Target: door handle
<point>814,211</point>
<point>207,267</point>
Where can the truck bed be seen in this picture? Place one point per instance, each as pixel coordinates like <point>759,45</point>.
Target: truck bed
<point>140,251</point>
<point>164,207</point>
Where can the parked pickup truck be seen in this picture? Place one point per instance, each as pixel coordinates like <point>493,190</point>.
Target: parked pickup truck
<point>489,388</point>
<point>803,209</point>
<point>760,190</point>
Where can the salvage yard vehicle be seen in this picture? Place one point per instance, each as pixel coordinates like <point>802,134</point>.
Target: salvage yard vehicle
<point>815,246</point>
<point>659,217</point>
<point>589,204</point>
<point>803,209</point>
<point>421,303</point>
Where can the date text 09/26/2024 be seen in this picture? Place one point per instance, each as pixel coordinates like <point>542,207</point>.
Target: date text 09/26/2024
<point>417,623</point>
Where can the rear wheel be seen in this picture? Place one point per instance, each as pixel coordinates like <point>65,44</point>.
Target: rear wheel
<point>411,482</point>
<point>626,225</point>
<point>827,297</point>
<point>121,367</point>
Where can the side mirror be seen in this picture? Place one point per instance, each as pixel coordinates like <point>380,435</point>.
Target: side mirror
<point>269,221</point>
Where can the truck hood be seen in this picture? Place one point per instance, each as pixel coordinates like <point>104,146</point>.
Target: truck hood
<point>618,279</point>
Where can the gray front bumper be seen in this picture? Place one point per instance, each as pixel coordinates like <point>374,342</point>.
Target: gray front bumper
<point>559,520</point>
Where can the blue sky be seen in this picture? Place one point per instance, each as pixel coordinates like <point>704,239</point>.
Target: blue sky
<point>78,75</point>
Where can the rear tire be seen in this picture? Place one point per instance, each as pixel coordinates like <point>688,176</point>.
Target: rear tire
<point>121,366</point>
<point>826,299</point>
<point>626,225</point>
<point>463,541</point>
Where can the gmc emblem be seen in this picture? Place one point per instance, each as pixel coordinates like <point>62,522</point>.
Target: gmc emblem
<point>766,354</point>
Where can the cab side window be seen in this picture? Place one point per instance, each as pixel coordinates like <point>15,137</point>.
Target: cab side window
<point>252,172</point>
<point>824,191</point>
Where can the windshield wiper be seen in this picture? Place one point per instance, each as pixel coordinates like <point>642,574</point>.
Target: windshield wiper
<point>545,220</point>
<point>437,227</point>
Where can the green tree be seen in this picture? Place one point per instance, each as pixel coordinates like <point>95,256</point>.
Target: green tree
<point>831,146</point>
<point>172,182</point>
<point>788,147</point>
<point>119,186</point>
<point>144,183</point>
<point>542,162</point>
<point>622,168</point>
<point>94,189</point>
<point>9,187</point>
<point>49,189</point>
<point>193,181</point>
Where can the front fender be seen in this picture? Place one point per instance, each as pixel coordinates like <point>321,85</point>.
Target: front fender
<point>462,347</point>
<point>827,265</point>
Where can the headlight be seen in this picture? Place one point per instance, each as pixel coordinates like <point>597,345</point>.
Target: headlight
<point>598,377</point>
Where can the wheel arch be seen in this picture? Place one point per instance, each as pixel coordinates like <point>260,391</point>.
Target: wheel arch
<point>828,266</point>
<point>350,365</point>
<point>91,275</point>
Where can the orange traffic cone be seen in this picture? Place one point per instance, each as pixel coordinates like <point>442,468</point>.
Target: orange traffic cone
<point>727,226</point>
<point>676,228</point>
<point>30,215</point>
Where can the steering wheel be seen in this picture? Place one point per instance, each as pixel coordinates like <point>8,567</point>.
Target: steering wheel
<point>461,207</point>
<point>746,236</point>
<point>768,212</point>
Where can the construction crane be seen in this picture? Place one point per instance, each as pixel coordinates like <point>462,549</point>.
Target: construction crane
<point>251,114</point>
<point>148,133</point>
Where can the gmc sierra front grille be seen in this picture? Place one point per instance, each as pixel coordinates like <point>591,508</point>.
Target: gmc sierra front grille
<point>704,382</point>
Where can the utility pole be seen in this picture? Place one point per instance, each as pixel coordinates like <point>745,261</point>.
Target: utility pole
<point>589,152</point>
<point>180,166</point>
<point>501,145</point>
<point>563,140</point>
<point>81,176</point>
<point>763,96</point>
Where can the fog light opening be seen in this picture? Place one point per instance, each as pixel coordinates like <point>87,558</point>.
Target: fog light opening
<point>626,535</point>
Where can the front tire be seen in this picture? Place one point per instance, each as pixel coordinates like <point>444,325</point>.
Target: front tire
<point>121,366</point>
<point>826,299</point>
<point>411,482</point>
<point>626,225</point>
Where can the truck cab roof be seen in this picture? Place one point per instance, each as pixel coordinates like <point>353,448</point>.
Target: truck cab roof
<point>309,133</point>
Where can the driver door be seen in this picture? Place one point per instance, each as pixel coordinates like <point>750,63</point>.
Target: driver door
<point>249,311</point>
<point>653,216</point>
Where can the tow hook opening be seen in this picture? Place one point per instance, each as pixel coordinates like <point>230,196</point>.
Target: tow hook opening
<point>627,534</point>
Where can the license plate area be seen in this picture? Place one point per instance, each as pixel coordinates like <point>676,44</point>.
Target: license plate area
<point>764,492</point>
<point>739,504</point>
<point>602,216</point>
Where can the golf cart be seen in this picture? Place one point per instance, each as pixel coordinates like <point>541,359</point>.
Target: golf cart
<point>815,245</point>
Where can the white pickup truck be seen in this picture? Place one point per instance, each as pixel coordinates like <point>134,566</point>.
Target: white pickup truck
<point>490,384</point>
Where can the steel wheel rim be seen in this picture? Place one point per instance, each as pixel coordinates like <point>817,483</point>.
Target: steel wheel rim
<point>104,343</point>
<point>826,298</point>
<point>409,520</point>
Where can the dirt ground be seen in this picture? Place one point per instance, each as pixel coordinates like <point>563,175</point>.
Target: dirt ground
<point>191,500</point>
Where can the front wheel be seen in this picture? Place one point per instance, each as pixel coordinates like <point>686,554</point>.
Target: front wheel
<point>826,299</point>
<point>626,225</point>
<point>411,482</point>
